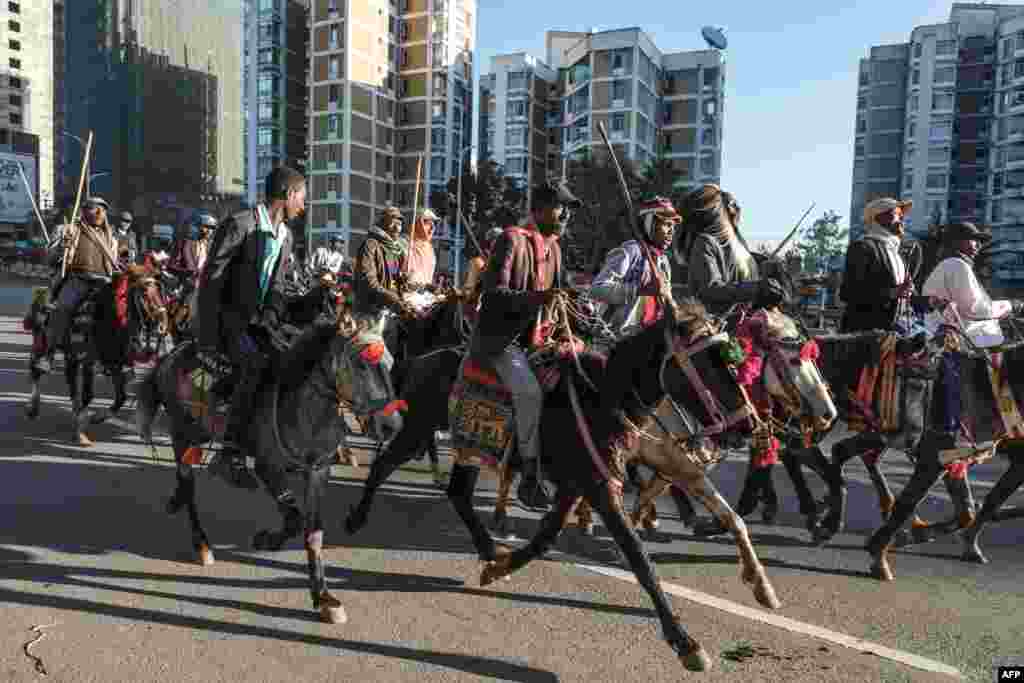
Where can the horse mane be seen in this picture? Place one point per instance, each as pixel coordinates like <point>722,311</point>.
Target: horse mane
<point>299,361</point>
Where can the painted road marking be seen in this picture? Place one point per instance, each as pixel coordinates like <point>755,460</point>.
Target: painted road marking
<point>786,623</point>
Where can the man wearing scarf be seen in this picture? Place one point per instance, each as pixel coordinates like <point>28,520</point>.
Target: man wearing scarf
<point>422,259</point>
<point>876,284</point>
<point>378,273</point>
<point>242,291</point>
<point>522,276</point>
<point>626,284</point>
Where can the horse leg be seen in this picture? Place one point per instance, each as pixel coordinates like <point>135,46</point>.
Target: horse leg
<point>926,471</point>
<point>435,462</point>
<point>692,654</point>
<point>683,505</point>
<point>331,610</point>
<point>35,397</point>
<point>500,521</point>
<point>768,496</point>
<point>185,497</point>
<point>794,460</point>
<point>460,492</point>
<point>584,517</point>
<point>644,508</point>
<point>276,482</point>
<point>550,526</point>
<point>408,444</point>
<point>1000,493</point>
<point>81,394</point>
<point>752,572</point>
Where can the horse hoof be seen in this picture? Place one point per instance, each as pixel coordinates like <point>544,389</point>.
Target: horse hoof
<point>356,520</point>
<point>880,568</point>
<point>974,555</point>
<point>204,555</point>
<point>765,595</point>
<point>32,410</point>
<point>84,441</point>
<point>331,610</point>
<point>174,505</point>
<point>261,541</point>
<point>696,657</point>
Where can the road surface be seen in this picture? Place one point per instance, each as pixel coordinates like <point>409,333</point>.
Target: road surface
<point>88,554</point>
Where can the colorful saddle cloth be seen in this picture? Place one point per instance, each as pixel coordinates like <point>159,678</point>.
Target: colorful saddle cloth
<point>203,388</point>
<point>480,410</point>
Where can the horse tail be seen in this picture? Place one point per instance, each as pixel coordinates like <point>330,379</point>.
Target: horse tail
<point>148,404</point>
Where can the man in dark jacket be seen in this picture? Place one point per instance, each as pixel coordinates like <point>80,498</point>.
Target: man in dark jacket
<point>376,291</point>
<point>523,274</point>
<point>876,279</point>
<point>241,290</point>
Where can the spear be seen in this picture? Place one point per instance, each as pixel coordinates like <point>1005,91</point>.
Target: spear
<point>69,250</point>
<point>31,198</point>
<point>415,210</point>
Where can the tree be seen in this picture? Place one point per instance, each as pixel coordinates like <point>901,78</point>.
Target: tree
<point>821,242</point>
<point>489,198</point>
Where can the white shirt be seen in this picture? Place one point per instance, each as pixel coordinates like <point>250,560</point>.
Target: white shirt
<point>325,259</point>
<point>971,309</point>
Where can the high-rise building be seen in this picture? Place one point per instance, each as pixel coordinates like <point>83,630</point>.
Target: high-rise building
<point>534,116</point>
<point>27,104</point>
<point>391,86</point>
<point>276,95</point>
<point>159,84</point>
<point>59,101</point>
<point>940,120</point>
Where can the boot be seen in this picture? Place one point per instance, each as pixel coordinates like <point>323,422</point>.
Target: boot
<point>768,495</point>
<point>531,491</point>
<point>229,464</point>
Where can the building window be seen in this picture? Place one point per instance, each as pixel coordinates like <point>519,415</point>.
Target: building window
<point>333,67</point>
<point>332,40</point>
<point>938,155</point>
<point>617,60</point>
<point>942,100</point>
<point>997,184</point>
<point>945,47</point>
<point>708,137</point>
<point>266,111</point>
<point>516,108</point>
<point>862,102</point>
<point>14,45</point>
<point>264,136</point>
<point>15,118</point>
<point>14,63</point>
<point>618,90</point>
<point>15,100</point>
<point>618,122</point>
<point>14,8</point>
<point>941,130</point>
<point>707,164</point>
<point>14,26</point>
<point>936,181</point>
<point>334,93</point>
<point>516,80</point>
<point>914,101</point>
<point>265,86</point>
<point>915,77</point>
<point>912,130</point>
<point>862,124</point>
<point>15,83</point>
<point>515,137</point>
<point>945,74</point>
<point>908,180</point>
<point>917,50</point>
<point>858,149</point>
<point>332,183</point>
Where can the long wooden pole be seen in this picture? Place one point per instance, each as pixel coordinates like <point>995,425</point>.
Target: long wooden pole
<point>415,209</point>
<point>31,198</point>
<point>69,250</point>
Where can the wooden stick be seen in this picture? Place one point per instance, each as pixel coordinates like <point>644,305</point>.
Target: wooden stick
<point>415,209</point>
<point>69,251</point>
<point>31,198</point>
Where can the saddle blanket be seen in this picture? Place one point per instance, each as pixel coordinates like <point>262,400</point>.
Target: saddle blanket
<point>480,411</point>
<point>196,386</point>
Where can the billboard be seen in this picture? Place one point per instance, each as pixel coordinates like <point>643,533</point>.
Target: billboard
<point>15,203</point>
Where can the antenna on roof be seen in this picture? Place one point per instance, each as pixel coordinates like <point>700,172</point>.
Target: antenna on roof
<point>715,37</point>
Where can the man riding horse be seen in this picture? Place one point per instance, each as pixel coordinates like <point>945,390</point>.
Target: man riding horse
<point>91,265</point>
<point>241,295</point>
<point>522,276</point>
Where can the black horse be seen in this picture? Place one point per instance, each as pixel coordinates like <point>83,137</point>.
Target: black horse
<point>117,323</point>
<point>583,428</point>
<point>297,425</point>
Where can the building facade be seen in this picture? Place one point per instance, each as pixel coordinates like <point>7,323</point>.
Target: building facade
<point>391,84</point>
<point>159,84</point>
<point>27,87</point>
<point>276,96</point>
<point>536,116</point>
<point>939,121</point>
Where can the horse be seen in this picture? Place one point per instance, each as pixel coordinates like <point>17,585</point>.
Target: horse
<point>585,433</point>
<point>297,425</point>
<point>116,324</point>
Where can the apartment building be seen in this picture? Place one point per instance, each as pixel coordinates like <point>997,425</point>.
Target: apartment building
<point>160,86</point>
<point>27,90</point>
<point>59,104</point>
<point>535,116</point>
<point>391,85</point>
<point>940,121</point>
<point>276,97</point>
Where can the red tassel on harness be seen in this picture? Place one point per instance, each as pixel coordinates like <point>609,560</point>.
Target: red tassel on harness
<point>372,353</point>
<point>121,302</point>
<point>751,367</point>
<point>810,351</point>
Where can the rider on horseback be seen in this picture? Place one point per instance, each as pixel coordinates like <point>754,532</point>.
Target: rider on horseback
<point>327,259</point>
<point>91,265</point>
<point>523,274</point>
<point>625,284</point>
<point>241,293</point>
<point>422,260</point>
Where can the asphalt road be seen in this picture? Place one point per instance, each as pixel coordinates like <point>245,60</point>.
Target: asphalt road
<point>88,553</point>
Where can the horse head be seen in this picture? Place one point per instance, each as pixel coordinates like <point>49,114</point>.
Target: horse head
<point>144,289</point>
<point>789,365</point>
<point>361,365</point>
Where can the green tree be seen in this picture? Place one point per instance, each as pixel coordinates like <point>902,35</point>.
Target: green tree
<point>489,198</point>
<point>819,243</point>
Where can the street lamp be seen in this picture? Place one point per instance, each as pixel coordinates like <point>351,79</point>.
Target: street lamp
<point>458,217</point>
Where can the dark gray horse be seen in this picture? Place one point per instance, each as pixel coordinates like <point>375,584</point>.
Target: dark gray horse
<point>298,423</point>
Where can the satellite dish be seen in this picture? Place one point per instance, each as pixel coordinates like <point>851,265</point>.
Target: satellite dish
<point>715,37</point>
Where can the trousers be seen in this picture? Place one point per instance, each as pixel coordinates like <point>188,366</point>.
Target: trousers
<point>73,292</point>
<point>527,398</point>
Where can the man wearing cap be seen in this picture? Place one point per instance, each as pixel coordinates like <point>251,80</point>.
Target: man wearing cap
<point>241,293</point>
<point>378,273</point>
<point>876,279</point>
<point>92,265</point>
<point>422,260</point>
<point>626,284</point>
<point>128,246</point>
<point>196,249</point>
<point>327,259</point>
<point>523,274</point>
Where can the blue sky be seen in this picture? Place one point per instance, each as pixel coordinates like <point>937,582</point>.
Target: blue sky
<point>790,89</point>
